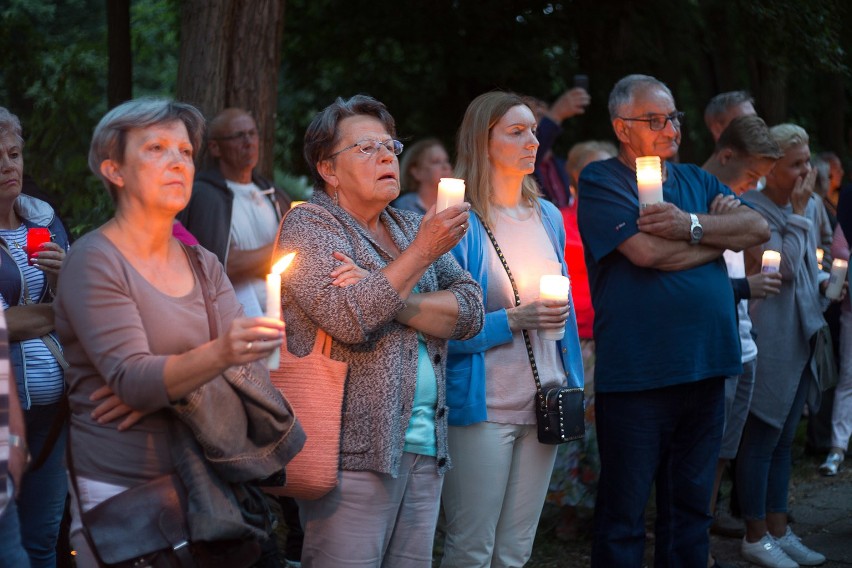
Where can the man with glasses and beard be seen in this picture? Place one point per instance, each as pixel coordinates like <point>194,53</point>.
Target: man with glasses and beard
<point>665,329</point>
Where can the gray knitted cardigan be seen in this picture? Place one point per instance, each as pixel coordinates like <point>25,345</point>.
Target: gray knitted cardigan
<point>786,323</point>
<point>381,353</point>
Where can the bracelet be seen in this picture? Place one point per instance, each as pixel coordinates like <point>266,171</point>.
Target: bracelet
<point>16,441</point>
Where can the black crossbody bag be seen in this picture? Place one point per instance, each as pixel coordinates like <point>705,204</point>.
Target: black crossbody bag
<point>558,410</point>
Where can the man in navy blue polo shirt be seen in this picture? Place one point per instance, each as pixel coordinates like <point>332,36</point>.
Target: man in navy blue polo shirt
<point>665,328</point>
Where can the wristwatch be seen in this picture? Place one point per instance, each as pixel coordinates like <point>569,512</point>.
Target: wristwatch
<point>696,231</point>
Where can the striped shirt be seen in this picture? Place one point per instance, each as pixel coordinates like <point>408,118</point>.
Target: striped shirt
<point>43,378</point>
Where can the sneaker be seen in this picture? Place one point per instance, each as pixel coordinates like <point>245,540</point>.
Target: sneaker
<point>792,545</point>
<point>766,552</point>
<point>831,465</point>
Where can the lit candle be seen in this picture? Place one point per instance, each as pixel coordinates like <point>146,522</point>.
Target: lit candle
<point>820,254</point>
<point>835,281</point>
<point>273,301</point>
<point>554,287</point>
<point>771,261</point>
<point>450,192</point>
<point>649,179</point>
<point>294,204</point>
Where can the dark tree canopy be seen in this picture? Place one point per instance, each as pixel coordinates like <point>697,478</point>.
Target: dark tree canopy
<point>425,60</point>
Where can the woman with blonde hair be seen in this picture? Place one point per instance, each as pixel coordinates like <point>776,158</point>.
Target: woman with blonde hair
<point>494,495</point>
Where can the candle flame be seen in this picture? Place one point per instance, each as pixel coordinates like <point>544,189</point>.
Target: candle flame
<point>282,264</point>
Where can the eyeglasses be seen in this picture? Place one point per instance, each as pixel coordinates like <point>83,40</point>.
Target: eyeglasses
<point>657,122</point>
<point>372,147</point>
<point>241,135</point>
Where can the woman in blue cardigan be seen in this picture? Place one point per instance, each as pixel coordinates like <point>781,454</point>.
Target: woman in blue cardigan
<point>494,495</point>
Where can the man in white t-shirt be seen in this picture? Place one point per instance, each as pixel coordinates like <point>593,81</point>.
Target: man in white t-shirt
<point>234,212</point>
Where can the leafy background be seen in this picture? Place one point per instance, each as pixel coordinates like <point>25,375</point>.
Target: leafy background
<point>426,61</point>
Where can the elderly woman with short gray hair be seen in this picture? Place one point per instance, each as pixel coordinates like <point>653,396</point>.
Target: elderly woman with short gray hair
<point>154,326</point>
<point>380,283</point>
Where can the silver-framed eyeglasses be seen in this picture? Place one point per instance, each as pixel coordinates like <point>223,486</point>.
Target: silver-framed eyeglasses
<point>372,147</point>
<point>657,122</point>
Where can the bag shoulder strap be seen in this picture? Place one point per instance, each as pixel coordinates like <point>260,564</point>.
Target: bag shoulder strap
<point>525,333</point>
<point>194,261</point>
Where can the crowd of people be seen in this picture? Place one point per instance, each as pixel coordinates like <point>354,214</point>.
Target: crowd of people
<point>133,362</point>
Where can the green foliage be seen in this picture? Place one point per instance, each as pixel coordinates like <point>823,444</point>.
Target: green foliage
<point>426,60</point>
<point>53,78</point>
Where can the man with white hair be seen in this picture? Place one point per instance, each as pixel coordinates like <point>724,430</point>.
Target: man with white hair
<point>665,330</point>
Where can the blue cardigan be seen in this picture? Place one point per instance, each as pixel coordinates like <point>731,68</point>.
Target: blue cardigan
<point>466,359</point>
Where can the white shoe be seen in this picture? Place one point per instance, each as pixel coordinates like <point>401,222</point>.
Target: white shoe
<point>831,465</point>
<point>792,545</point>
<point>767,552</point>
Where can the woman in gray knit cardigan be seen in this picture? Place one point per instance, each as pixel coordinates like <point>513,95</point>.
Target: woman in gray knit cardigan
<point>380,282</point>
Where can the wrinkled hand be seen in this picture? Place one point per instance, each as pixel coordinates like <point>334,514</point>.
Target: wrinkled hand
<point>723,204</point>
<point>570,103</point>
<point>440,232</point>
<point>348,273</point>
<point>802,192</point>
<point>49,257</point>
<point>540,314</point>
<point>112,408</point>
<point>764,284</point>
<point>664,220</point>
<point>251,339</point>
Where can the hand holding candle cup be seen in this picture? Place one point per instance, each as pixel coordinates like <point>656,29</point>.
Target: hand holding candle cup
<point>649,180</point>
<point>771,261</point>
<point>273,300</point>
<point>554,287</point>
<point>36,237</point>
<point>837,279</point>
<point>450,192</point>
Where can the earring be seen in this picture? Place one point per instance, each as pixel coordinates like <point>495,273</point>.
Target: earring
<point>335,198</point>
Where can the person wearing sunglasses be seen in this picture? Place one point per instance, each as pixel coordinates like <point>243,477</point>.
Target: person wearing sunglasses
<point>379,281</point>
<point>234,212</point>
<point>665,331</point>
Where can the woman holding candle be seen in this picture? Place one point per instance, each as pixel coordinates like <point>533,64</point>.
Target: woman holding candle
<point>786,377</point>
<point>26,291</point>
<point>378,280</point>
<point>158,324</point>
<point>421,169</point>
<point>494,495</point>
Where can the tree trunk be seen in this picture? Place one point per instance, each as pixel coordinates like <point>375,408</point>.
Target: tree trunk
<point>230,55</point>
<point>120,74</point>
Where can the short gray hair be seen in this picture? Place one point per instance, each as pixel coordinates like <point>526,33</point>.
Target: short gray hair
<point>626,88</point>
<point>109,140</point>
<point>10,124</point>
<point>322,134</point>
<point>789,135</point>
<point>721,103</point>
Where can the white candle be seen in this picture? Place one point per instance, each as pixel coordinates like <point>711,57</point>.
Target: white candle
<point>649,179</point>
<point>450,192</point>
<point>554,287</point>
<point>835,281</point>
<point>771,261</point>
<point>820,254</point>
<point>273,301</point>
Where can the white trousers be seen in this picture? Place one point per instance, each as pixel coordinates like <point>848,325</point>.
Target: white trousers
<point>841,414</point>
<point>494,494</point>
